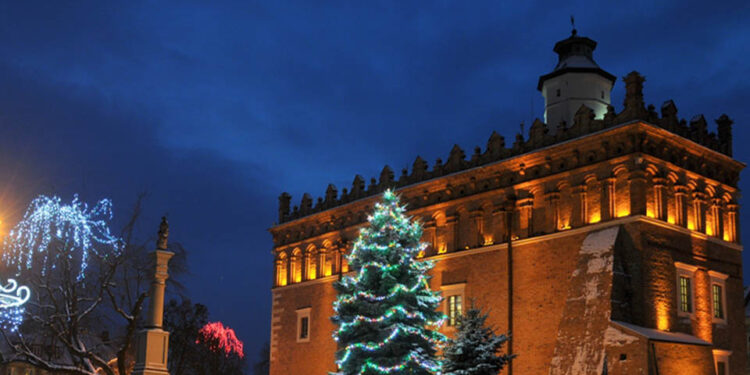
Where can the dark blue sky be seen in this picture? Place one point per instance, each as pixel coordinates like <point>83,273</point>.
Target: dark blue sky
<point>216,107</point>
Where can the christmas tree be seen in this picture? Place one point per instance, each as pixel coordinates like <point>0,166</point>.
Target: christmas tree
<point>385,311</point>
<point>475,348</point>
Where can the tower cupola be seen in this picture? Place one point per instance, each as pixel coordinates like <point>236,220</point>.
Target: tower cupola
<point>576,80</point>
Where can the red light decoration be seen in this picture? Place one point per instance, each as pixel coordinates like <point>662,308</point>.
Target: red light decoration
<point>220,338</point>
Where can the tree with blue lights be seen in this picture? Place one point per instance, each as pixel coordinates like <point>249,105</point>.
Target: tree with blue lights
<point>386,313</point>
<point>88,286</point>
<point>475,349</point>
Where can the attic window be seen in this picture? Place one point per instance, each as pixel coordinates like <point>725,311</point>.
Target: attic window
<point>602,94</point>
<point>558,92</point>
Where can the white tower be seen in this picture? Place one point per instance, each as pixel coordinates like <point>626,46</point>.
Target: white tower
<point>576,80</point>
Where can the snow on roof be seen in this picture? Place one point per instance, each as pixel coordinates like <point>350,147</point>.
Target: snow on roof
<point>656,335</point>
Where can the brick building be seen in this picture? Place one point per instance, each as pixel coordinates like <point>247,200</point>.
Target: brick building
<point>606,242</point>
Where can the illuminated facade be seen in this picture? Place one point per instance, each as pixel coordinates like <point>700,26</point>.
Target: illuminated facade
<point>610,243</point>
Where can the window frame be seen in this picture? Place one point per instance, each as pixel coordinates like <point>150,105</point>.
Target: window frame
<point>719,279</point>
<point>303,313</point>
<point>687,271</point>
<point>459,290</point>
<point>721,355</point>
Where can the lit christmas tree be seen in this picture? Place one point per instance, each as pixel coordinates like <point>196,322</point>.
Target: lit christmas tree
<point>475,349</point>
<point>386,311</point>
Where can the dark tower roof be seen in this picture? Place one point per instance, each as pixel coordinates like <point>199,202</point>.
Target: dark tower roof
<point>575,55</point>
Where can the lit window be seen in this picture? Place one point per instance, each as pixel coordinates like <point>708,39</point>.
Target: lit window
<point>718,302</point>
<point>686,295</point>
<point>684,288</point>
<point>303,324</point>
<point>453,297</point>
<point>718,297</point>
<point>455,309</point>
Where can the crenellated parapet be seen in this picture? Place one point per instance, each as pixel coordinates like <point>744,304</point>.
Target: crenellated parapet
<point>541,137</point>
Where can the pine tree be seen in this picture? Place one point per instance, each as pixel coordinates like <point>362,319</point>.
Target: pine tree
<point>475,349</point>
<point>386,313</point>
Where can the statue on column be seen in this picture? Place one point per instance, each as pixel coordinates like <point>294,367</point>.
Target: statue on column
<point>161,242</point>
<point>153,342</point>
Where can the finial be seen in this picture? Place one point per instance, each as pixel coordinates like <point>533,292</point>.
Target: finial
<point>573,25</point>
<point>161,242</point>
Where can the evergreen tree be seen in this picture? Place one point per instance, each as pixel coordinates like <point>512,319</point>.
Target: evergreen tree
<point>385,311</point>
<point>475,349</point>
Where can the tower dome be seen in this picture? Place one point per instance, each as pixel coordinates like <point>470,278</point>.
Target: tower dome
<point>576,80</point>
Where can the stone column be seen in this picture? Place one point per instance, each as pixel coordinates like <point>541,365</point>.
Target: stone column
<point>699,211</point>
<point>580,214</point>
<point>717,225</point>
<point>153,342</point>
<point>553,198</point>
<point>499,225</point>
<point>478,217</point>
<point>638,192</point>
<point>608,198</point>
<point>680,206</point>
<point>451,232</point>
<point>660,200</point>
<point>525,219</point>
<point>732,223</point>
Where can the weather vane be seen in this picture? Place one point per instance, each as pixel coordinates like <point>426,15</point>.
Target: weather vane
<point>573,23</point>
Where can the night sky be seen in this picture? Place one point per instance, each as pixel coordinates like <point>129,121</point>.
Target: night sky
<point>215,109</point>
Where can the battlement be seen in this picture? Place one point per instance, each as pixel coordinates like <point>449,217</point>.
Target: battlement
<point>584,123</point>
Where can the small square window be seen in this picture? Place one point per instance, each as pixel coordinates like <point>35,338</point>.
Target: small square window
<point>303,325</point>
<point>558,92</point>
<point>304,328</point>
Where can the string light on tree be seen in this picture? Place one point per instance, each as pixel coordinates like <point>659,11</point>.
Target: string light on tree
<point>12,300</point>
<point>386,312</point>
<point>220,338</point>
<point>80,230</point>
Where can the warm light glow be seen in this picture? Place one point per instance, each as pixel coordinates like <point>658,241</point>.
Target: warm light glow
<point>420,254</point>
<point>488,240</point>
<point>690,225</point>
<point>328,269</point>
<point>595,218</point>
<point>649,212</point>
<point>709,230</point>
<point>662,317</point>
<point>442,248</point>
<point>726,236</point>
<point>670,220</point>
<point>622,212</point>
<point>565,227</point>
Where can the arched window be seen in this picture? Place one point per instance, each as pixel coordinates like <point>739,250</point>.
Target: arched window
<point>281,271</point>
<point>310,263</point>
<point>296,266</point>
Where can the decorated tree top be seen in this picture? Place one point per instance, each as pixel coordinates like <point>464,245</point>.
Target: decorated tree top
<point>75,230</point>
<point>386,311</point>
<point>219,338</point>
